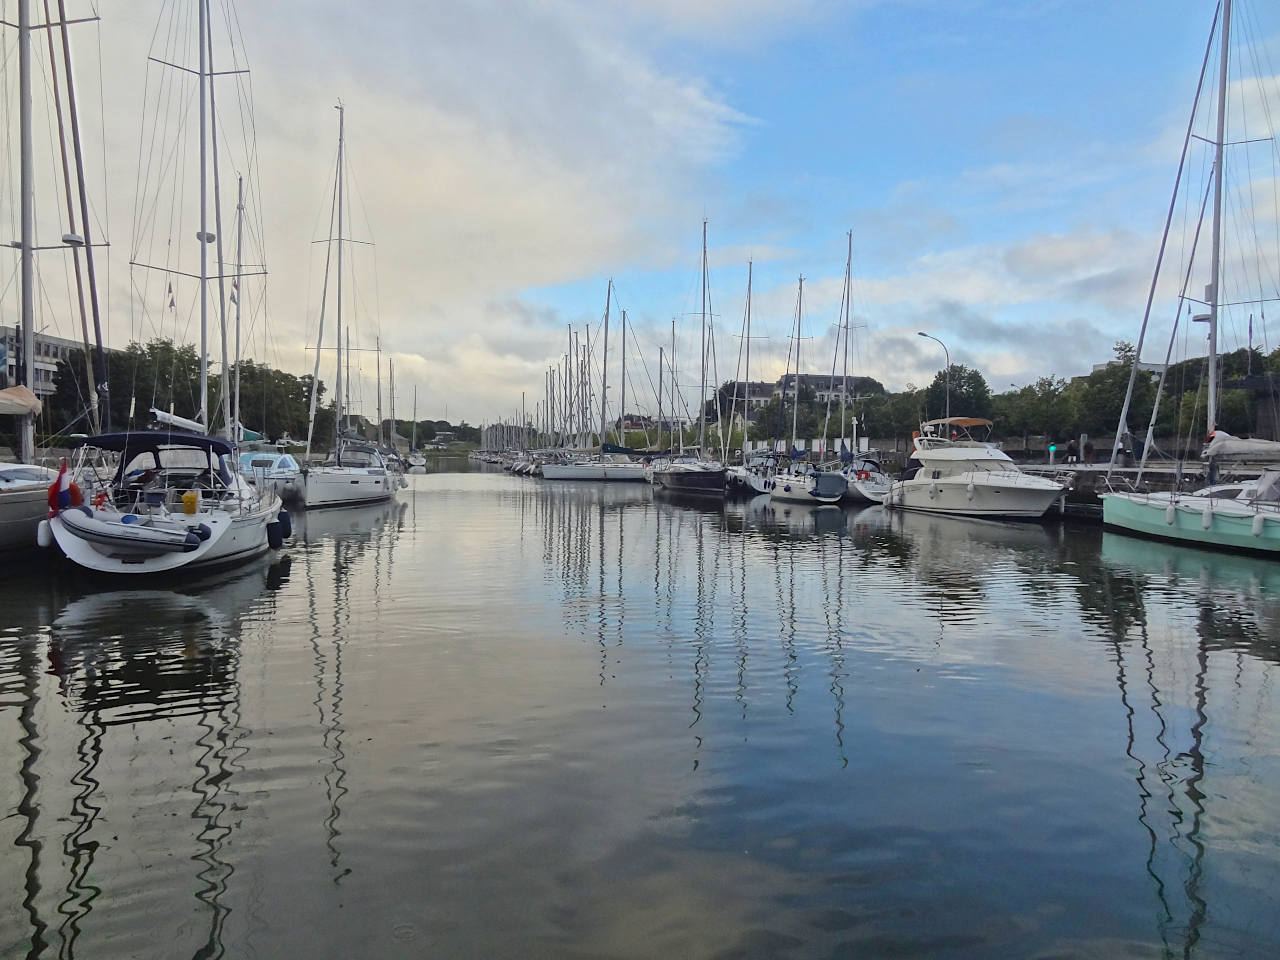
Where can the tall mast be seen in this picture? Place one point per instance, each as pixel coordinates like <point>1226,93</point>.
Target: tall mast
<point>661,363</point>
<point>340,406</point>
<point>702,391</point>
<point>622,423</point>
<point>1214,297</point>
<point>604,366</point>
<point>391,389</point>
<point>848,316</point>
<point>86,232</point>
<point>746,374</point>
<point>413,441</point>
<point>224,385</point>
<point>378,348</point>
<point>795,406</point>
<point>237,295</point>
<point>673,389</point>
<point>27,433</point>
<point>71,221</point>
<point>204,217</point>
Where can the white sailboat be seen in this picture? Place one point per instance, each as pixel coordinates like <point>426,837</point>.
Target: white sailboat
<point>175,501</point>
<point>1244,517</point>
<point>354,472</point>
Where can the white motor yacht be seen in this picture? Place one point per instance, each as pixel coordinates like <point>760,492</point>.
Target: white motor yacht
<point>958,474</point>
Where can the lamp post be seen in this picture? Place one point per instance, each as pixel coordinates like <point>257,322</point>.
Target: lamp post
<point>947,353</point>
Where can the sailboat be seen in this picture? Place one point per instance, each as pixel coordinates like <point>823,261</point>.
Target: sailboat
<point>697,475</point>
<point>1244,517</point>
<point>175,501</point>
<point>605,466</point>
<point>800,481</point>
<point>416,460</point>
<point>354,471</point>
<point>24,486</point>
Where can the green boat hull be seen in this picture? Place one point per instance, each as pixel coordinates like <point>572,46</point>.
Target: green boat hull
<point>1226,530</point>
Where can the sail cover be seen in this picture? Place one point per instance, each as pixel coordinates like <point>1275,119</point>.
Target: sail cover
<point>19,401</point>
<point>1225,446</point>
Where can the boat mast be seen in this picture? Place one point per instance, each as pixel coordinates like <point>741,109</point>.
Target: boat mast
<point>101,399</point>
<point>1214,297</point>
<point>71,220</point>
<point>378,349</point>
<point>604,365</point>
<point>413,441</point>
<point>673,389</point>
<point>661,363</point>
<point>795,406</point>
<point>848,316</point>
<point>204,217</point>
<point>224,386</point>
<point>746,373</point>
<point>702,393</point>
<point>237,294</point>
<point>27,432</point>
<point>622,423</point>
<point>339,406</point>
<point>391,389</point>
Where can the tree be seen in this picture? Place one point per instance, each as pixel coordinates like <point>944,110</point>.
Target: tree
<point>970,395</point>
<point>1094,402</point>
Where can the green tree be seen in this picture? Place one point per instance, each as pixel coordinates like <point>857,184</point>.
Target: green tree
<point>970,395</point>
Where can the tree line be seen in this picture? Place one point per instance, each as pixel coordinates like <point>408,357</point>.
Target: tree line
<point>1052,408</point>
<point>165,375</point>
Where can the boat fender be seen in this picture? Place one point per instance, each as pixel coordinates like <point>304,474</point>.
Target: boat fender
<point>286,523</point>
<point>44,534</point>
<point>933,490</point>
<point>201,531</point>
<point>969,490</point>
<point>786,488</point>
<point>1206,518</point>
<point>275,536</point>
<point>99,500</point>
<point>1170,514</point>
<point>1258,521</point>
<point>192,542</point>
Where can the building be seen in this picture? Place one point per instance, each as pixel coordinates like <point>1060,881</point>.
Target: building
<point>49,351</point>
<point>823,386</point>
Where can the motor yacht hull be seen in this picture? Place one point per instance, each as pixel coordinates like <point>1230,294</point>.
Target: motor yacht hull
<point>1195,521</point>
<point>979,494</point>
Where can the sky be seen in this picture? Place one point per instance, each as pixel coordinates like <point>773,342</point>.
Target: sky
<point>1004,167</point>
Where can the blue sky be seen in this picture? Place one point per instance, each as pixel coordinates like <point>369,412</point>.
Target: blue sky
<point>1004,167</point>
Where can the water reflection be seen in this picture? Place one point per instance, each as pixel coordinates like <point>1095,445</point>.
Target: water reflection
<point>629,713</point>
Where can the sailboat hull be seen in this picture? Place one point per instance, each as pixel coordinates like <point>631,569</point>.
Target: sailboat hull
<point>344,486</point>
<point>1196,521</point>
<point>703,483</point>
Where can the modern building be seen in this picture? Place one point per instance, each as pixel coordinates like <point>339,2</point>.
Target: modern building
<point>49,350</point>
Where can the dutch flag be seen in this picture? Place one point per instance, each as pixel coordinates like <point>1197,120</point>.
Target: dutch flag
<point>60,492</point>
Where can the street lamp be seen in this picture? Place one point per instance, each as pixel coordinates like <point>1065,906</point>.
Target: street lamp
<point>947,352</point>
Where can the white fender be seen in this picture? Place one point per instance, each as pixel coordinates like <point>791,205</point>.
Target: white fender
<point>1170,514</point>
<point>1206,518</point>
<point>1258,522</point>
<point>968,490</point>
<point>44,534</point>
<point>933,490</point>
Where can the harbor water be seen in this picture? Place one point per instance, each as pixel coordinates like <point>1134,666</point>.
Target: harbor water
<point>503,717</point>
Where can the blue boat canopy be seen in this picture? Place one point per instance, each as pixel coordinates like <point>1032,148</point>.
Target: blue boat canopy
<point>139,440</point>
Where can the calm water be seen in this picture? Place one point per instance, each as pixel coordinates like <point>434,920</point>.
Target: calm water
<point>506,718</point>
